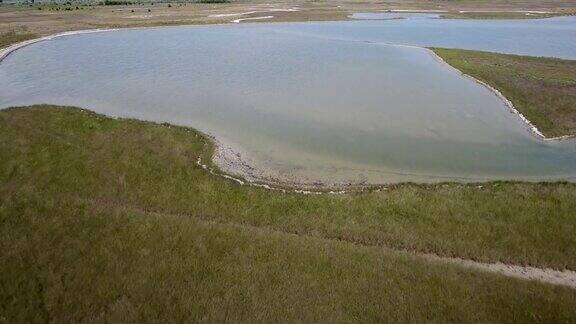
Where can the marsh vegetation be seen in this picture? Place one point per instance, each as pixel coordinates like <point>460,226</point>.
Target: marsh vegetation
<point>112,219</point>
<point>543,89</point>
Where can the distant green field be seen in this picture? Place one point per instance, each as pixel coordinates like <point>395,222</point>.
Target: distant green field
<point>112,220</point>
<point>543,89</point>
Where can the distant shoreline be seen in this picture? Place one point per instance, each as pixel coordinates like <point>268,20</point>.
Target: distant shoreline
<point>4,52</point>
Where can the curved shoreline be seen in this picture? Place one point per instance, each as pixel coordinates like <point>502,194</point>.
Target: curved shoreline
<point>231,166</point>
<point>531,127</point>
<point>4,52</point>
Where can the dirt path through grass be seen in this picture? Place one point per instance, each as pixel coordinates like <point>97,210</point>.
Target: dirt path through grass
<point>546,275</point>
<point>563,278</point>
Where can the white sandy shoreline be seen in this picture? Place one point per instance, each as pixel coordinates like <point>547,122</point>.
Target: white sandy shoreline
<point>239,20</point>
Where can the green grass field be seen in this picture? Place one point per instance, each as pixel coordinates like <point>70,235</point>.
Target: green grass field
<point>112,220</point>
<point>14,36</point>
<point>543,89</point>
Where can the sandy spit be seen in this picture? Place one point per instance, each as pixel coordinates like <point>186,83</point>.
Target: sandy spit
<point>4,52</point>
<point>253,12</point>
<point>236,21</point>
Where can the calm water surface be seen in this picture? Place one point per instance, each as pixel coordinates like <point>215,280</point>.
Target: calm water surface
<point>331,102</point>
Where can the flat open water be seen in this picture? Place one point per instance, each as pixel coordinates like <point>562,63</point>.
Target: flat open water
<point>334,102</point>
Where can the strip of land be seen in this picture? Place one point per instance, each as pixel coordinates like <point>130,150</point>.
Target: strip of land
<point>45,19</point>
<point>28,39</point>
<point>542,89</point>
<point>112,219</point>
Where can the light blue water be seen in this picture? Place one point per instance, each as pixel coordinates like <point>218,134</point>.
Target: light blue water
<point>537,37</point>
<point>329,102</point>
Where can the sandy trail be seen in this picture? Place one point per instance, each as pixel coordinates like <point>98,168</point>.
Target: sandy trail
<point>550,276</point>
<point>566,278</point>
<point>253,12</point>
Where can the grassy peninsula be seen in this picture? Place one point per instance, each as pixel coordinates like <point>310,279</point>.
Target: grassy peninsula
<point>542,89</point>
<point>111,219</point>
